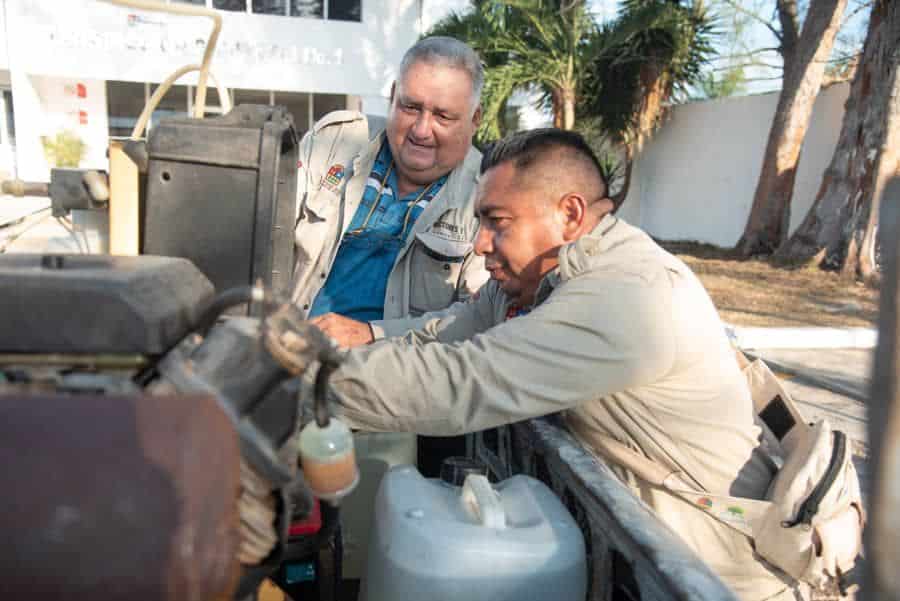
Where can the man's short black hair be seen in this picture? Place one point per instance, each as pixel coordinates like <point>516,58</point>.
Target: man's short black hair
<point>525,148</point>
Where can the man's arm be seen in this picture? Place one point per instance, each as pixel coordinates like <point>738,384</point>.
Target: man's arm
<point>459,321</point>
<point>588,340</point>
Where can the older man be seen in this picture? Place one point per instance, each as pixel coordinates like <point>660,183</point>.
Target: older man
<point>584,315</point>
<point>385,221</point>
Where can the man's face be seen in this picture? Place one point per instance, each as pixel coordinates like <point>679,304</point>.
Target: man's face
<point>519,234</point>
<point>431,121</point>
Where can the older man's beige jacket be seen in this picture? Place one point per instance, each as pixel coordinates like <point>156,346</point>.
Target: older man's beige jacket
<point>625,341</point>
<point>435,268</point>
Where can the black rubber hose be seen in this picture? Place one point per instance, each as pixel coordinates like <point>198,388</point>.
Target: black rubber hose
<point>221,303</point>
<point>233,297</point>
<point>320,391</point>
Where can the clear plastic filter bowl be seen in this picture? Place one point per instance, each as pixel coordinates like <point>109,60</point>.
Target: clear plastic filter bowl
<point>328,460</point>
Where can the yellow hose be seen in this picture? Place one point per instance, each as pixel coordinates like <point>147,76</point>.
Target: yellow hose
<point>163,88</point>
<point>191,11</point>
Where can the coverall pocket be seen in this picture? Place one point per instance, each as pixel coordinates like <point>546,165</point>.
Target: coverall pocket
<point>436,265</point>
<point>315,221</point>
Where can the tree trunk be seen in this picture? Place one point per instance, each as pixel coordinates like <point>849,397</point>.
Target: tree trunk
<point>568,109</point>
<point>656,89</point>
<point>804,67</point>
<point>840,229</point>
<point>619,197</point>
<point>557,100</point>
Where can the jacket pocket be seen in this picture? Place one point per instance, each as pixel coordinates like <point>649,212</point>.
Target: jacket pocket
<point>313,224</point>
<point>436,264</point>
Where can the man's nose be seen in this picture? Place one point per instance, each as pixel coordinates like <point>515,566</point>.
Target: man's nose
<point>483,241</point>
<point>422,127</point>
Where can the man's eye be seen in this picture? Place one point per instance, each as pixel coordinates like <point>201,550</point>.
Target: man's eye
<point>444,118</point>
<point>410,108</point>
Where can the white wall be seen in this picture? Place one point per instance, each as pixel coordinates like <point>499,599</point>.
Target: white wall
<point>4,58</point>
<point>696,178</point>
<point>97,40</point>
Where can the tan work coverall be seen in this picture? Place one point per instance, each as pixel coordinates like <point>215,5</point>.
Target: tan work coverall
<point>435,268</point>
<point>626,342</point>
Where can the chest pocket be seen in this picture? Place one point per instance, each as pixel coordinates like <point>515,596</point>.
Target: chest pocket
<point>316,219</point>
<point>436,267</point>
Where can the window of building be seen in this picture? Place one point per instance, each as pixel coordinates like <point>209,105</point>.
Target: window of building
<point>345,10</point>
<point>124,100</point>
<point>235,5</point>
<point>297,104</point>
<point>325,103</point>
<point>270,7</point>
<point>174,103</point>
<point>313,9</point>
<point>337,10</point>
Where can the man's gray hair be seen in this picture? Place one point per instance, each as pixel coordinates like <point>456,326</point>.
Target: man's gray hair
<point>446,51</point>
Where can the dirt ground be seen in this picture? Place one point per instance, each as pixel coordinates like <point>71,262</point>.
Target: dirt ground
<point>754,293</point>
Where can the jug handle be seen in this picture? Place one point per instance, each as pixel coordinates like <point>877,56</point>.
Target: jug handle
<point>483,502</point>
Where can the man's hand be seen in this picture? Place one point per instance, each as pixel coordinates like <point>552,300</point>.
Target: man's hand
<point>347,332</point>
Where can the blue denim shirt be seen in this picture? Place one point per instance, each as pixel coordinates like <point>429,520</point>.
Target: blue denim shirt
<point>358,278</point>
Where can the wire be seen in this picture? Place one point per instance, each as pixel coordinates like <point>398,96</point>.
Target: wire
<point>70,227</point>
<point>36,221</point>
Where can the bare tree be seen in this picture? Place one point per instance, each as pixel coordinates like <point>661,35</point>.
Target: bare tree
<point>805,54</point>
<point>840,230</point>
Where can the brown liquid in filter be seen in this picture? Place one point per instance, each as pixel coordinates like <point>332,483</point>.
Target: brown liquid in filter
<point>329,477</point>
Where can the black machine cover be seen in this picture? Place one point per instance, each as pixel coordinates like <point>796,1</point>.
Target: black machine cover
<point>77,304</point>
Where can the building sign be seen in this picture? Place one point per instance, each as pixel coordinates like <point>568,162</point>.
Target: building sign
<point>98,40</point>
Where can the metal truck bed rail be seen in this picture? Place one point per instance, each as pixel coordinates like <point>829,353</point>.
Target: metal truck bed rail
<point>632,554</point>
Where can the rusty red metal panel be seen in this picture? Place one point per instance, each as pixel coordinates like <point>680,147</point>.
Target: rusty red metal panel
<point>110,497</point>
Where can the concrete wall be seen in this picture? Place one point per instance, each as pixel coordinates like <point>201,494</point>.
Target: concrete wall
<point>696,178</point>
<point>47,106</point>
<point>4,57</point>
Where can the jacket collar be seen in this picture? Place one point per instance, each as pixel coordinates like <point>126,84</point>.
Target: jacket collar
<point>584,254</point>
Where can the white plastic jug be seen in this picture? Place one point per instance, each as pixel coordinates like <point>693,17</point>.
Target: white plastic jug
<point>508,541</point>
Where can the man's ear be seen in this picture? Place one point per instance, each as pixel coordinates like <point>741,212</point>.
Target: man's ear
<point>391,97</point>
<point>476,118</point>
<point>572,210</point>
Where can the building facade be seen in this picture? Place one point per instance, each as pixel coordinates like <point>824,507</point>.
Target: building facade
<point>74,73</point>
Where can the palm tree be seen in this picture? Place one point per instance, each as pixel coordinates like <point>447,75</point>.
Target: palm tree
<point>613,80</point>
<point>645,60</point>
<point>525,44</point>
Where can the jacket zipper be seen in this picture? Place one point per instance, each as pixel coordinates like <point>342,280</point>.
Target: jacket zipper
<point>810,506</point>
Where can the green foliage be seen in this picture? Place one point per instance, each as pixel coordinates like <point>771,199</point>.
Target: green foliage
<point>523,43</point>
<point>731,83</point>
<point>654,47</point>
<point>65,149</point>
<point>555,47</point>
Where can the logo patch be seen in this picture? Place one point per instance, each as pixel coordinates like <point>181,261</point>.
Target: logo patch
<point>333,178</point>
<point>704,502</point>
